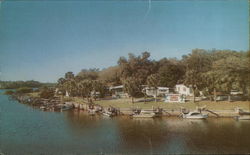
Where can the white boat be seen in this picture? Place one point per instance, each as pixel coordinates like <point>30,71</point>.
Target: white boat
<point>108,113</point>
<point>92,112</point>
<point>243,117</point>
<point>195,115</point>
<point>158,112</point>
<point>43,108</point>
<point>144,114</point>
<point>66,106</point>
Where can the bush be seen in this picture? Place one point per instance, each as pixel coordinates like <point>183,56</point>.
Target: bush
<point>47,93</point>
<point>9,92</point>
<point>24,90</point>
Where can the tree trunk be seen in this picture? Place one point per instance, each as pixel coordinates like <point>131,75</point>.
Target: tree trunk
<point>132,99</point>
<point>82,96</point>
<point>211,98</point>
<point>95,95</point>
<point>193,94</point>
<point>229,98</point>
<point>145,97</point>
<point>87,98</point>
<point>215,95</point>
<point>156,95</point>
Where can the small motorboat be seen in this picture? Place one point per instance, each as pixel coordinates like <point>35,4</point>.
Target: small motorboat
<point>43,108</point>
<point>242,112</point>
<point>195,115</point>
<point>66,106</point>
<point>108,113</point>
<point>91,112</point>
<point>144,114</point>
<point>243,117</point>
<point>111,111</point>
<point>158,112</point>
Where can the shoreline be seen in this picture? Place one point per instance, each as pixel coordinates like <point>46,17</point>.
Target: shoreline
<point>51,105</point>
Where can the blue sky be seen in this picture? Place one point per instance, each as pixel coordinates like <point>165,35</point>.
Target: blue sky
<point>41,40</point>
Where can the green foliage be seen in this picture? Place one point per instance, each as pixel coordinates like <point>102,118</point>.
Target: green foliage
<point>89,74</point>
<point>69,75</point>
<point>70,86</point>
<point>9,92</point>
<point>209,71</point>
<point>137,66</point>
<point>24,90</point>
<point>170,72</point>
<point>132,86</point>
<point>111,75</point>
<point>197,63</point>
<point>85,87</point>
<point>98,86</point>
<point>153,81</point>
<point>19,84</point>
<point>47,93</point>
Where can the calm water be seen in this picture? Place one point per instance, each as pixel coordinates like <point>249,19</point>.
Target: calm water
<point>24,130</point>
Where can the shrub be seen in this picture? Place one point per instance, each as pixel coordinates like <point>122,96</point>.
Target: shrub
<point>47,93</point>
<point>24,90</point>
<point>9,92</point>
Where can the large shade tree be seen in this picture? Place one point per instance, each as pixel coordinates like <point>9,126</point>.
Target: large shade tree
<point>197,63</point>
<point>171,71</point>
<point>132,86</point>
<point>85,88</point>
<point>137,66</point>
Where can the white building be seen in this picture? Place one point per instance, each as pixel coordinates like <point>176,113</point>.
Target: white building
<point>118,92</point>
<point>161,91</point>
<point>183,90</point>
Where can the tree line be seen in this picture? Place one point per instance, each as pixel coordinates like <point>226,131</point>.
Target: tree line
<point>21,84</point>
<point>207,71</point>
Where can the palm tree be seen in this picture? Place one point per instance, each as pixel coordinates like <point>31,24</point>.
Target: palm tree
<point>98,86</point>
<point>132,87</point>
<point>60,83</point>
<point>152,82</point>
<point>85,88</point>
<point>69,75</point>
<point>70,86</point>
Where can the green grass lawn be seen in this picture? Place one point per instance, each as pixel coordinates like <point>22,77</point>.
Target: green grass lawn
<point>34,94</point>
<point>222,105</point>
<point>126,103</point>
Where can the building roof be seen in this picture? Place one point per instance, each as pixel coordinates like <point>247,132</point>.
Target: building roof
<point>116,87</point>
<point>163,88</point>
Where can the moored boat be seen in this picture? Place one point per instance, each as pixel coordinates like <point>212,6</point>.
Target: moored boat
<point>108,113</point>
<point>66,106</point>
<point>144,114</point>
<point>158,112</point>
<point>243,117</point>
<point>195,115</point>
<point>43,108</point>
<point>91,112</point>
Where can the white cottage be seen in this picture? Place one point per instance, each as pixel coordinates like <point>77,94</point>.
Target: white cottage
<point>118,92</point>
<point>183,90</point>
<point>161,91</point>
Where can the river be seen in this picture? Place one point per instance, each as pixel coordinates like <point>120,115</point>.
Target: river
<point>26,130</point>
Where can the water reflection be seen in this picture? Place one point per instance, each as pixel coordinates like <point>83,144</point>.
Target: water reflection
<point>171,135</point>
<point>143,134</point>
<point>29,131</point>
